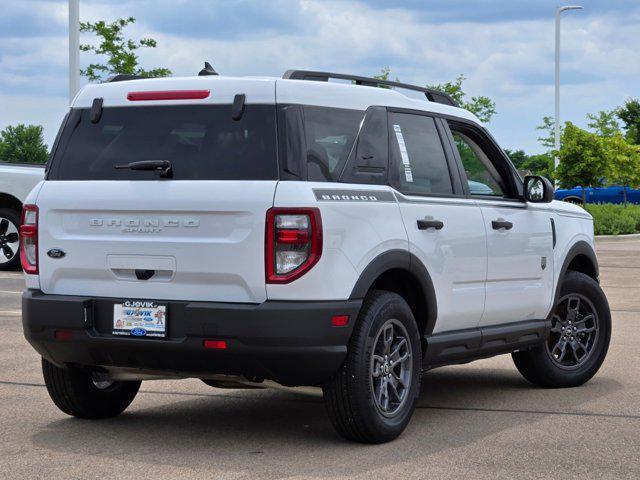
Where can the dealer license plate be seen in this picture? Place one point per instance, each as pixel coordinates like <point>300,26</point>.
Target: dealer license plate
<point>140,318</point>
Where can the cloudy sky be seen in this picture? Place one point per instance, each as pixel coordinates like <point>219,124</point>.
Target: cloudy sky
<point>505,48</point>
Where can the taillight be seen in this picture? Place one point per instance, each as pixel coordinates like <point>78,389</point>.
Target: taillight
<point>293,243</point>
<point>29,239</point>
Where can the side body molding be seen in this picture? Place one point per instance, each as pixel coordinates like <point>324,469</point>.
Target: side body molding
<point>400,260</point>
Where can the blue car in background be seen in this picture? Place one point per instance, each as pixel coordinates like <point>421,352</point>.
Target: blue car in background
<point>612,194</point>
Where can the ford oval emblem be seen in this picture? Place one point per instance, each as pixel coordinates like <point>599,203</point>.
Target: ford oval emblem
<point>138,332</point>
<point>56,253</point>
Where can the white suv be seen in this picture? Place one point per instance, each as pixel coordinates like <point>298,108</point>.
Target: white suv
<point>300,230</point>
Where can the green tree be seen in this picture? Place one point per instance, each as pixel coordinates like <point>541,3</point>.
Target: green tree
<point>482,107</point>
<point>583,159</point>
<point>547,139</point>
<point>541,164</point>
<point>120,52</point>
<point>23,144</point>
<point>629,113</point>
<point>385,73</point>
<point>624,162</point>
<point>518,157</point>
<point>604,123</point>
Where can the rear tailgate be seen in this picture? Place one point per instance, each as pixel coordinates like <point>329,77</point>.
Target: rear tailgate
<point>204,240</point>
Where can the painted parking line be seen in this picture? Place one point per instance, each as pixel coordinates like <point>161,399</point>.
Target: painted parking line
<point>11,291</point>
<point>11,312</point>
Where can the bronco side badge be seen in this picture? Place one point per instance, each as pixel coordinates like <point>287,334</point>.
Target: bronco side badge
<point>56,253</point>
<point>543,262</point>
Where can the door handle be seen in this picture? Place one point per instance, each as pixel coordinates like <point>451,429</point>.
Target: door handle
<point>498,224</point>
<point>425,224</point>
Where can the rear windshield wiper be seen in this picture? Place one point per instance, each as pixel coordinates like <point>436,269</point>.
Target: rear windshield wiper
<point>162,166</point>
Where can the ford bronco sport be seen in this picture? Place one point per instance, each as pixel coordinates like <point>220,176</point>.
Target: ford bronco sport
<point>310,230</point>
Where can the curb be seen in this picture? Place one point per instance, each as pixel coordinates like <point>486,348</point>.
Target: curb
<point>618,238</point>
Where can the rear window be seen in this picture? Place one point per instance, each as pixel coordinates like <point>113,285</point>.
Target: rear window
<point>330,133</point>
<point>202,142</point>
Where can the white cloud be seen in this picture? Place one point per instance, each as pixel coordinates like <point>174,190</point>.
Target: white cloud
<point>509,61</point>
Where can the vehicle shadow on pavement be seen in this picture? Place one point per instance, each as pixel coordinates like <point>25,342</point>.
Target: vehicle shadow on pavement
<point>259,433</point>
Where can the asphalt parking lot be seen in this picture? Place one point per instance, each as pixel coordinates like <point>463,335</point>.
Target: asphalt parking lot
<point>476,421</point>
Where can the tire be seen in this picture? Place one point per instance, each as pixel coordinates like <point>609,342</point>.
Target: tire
<point>349,395</point>
<point>75,393</point>
<point>547,366</point>
<point>9,239</point>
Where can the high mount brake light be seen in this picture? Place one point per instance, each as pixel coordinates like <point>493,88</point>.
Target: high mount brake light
<point>29,239</point>
<point>293,243</point>
<point>168,95</point>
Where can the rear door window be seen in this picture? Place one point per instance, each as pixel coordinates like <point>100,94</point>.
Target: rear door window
<point>329,133</point>
<point>419,161</point>
<point>202,142</point>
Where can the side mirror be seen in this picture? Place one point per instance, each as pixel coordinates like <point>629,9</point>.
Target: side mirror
<point>538,189</point>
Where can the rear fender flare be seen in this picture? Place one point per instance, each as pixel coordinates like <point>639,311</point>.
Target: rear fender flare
<point>401,260</point>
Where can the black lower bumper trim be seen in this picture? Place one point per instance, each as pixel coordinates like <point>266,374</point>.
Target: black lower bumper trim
<point>292,343</point>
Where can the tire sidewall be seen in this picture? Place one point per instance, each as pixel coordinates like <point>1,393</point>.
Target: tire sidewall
<point>387,306</point>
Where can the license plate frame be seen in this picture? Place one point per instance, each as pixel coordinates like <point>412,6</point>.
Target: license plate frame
<point>140,318</point>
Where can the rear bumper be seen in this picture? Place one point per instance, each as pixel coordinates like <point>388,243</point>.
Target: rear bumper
<point>292,343</point>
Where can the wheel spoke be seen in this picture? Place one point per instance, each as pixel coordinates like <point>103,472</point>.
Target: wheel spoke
<point>395,354</point>
<point>387,337</point>
<point>399,379</point>
<point>8,253</point>
<point>393,383</point>
<point>563,351</point>
<point>12,237</point>
<point>4,225</point>
<point>377,364</point>
<point>573,305</point>
<point>574,352</point>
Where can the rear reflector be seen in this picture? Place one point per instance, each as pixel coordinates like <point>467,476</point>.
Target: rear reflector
<point>168,95</point>
<point>340,320</point>
<point>63,334</point>
<point>215,344</point>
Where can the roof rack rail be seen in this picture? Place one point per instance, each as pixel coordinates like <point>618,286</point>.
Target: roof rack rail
<point>123,77</point>
<point>432,95</point>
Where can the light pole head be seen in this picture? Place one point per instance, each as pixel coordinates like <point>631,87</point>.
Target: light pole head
<point>569,7</point>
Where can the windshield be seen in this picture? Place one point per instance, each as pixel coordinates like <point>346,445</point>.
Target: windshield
<point>202,142</point>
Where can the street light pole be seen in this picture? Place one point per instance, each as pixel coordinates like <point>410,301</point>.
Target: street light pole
<point>74,48</point>
<point>557,121</point>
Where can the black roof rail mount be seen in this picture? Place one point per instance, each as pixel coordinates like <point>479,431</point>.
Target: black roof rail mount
<point>123,77</point>
<point>432,95</point>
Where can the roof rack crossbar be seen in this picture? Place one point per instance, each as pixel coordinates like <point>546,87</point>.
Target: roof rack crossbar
<point>432,95</point>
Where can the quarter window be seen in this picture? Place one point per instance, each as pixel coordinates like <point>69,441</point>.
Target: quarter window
<point>420,164</point>
<point>330,133</point>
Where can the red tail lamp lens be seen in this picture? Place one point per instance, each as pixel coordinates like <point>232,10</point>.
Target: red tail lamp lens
<point>293,243</point>
<point>29,239</point>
